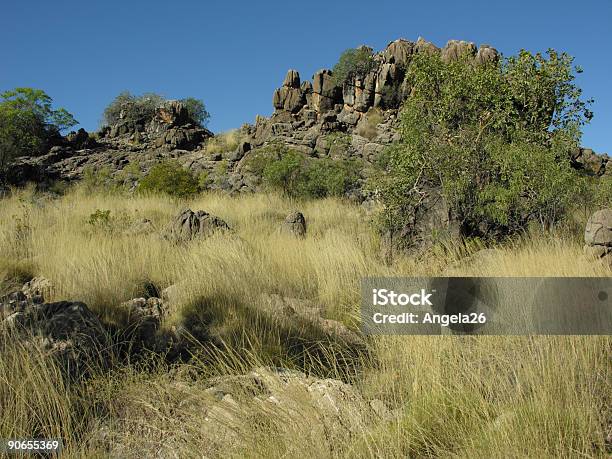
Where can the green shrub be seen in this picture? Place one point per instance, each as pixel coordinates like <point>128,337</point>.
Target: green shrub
<point>299,176</point>
<point>353,62</point>
<point>171,178</point>
<point>494,138</point>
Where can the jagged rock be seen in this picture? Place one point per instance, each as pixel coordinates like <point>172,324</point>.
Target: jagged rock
<point>456,49</point>
<point>598,236</point>
<point>189,225</point>
<point>292,79</point>
<point>486,53</point>
<point>423,46</point>
<point>325,93</point>
<point>294,224</point>
<point>400,52</point>
<point>65,330</point>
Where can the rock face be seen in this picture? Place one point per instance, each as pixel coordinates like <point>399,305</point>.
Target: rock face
<point>598,236</point>
<point>294,224</point>
<point>189,225</point>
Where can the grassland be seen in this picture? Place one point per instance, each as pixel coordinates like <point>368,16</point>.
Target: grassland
<point>454,396</point>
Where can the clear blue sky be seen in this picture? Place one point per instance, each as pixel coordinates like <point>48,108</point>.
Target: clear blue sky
<point>234,54</point>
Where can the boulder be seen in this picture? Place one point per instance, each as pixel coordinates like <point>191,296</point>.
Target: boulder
<point>189,225</point>
<point>486,54</point>
<point>65,330</point>
<point>294,224</point>
<point>598,236</point>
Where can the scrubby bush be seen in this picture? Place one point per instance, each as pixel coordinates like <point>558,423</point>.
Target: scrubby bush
<point>171,178</point>
<point>28,123</point>
<point>353,62</point>
<point>299,176</point>
<point>494,138</point>
<point>133,109</point>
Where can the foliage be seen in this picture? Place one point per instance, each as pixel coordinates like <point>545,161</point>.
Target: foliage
<point>493,137</point>
<point>133,109</point>
<point>197,110</point>
<point>28,122</point>
<point>171,178</point>
<point>303,177</point>
<point>101,218</point>
<point>353,62</point>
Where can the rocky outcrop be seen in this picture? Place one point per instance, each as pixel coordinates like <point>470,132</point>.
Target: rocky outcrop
<point>320,118</point>
<point>598,236</point>
<point>224,409</point>
<point>189,225</point>
<point>363,92</point>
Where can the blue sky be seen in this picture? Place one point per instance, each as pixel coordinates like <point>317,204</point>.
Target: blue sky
<point>234,54</point>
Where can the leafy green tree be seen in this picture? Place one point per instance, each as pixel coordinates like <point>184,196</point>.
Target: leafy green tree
<point>28,122</point>
<point>353,62</point>
<point>197,110</point>
<point>171,178</point>
<point>494,138</point>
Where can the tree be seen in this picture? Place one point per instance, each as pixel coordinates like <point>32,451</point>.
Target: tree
<point>130,108</point>
<point>494,138</point>
<point>28,122</point>
<point>133,109</point>
<point>197,110</point>
<point>353,62</point>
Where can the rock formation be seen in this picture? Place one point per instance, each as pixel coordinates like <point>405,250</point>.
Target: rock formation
<point>189,225</point>
<point>355,119</point>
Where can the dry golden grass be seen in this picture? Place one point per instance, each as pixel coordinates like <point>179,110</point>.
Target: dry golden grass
<point>456,396</point>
